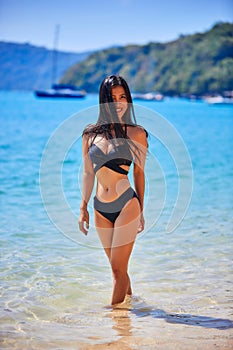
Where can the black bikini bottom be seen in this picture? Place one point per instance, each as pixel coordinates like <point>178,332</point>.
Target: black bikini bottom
<point>111,210</point>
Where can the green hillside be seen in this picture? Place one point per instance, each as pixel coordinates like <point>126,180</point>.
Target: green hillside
<point>193,64</point>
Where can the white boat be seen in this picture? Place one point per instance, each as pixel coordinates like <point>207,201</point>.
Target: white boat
<point>149,96</point>
<point>219,100</point>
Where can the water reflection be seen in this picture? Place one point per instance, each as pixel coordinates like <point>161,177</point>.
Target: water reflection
<point>122,325</point>
<point>122,322</point>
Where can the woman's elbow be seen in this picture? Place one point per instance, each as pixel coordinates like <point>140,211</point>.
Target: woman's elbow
<point>138,172</point>
<point>89,175</point>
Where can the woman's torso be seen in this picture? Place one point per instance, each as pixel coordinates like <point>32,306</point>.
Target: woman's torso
<point>111,160</point>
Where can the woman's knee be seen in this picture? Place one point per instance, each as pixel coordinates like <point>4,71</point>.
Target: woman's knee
<point>118,272</point>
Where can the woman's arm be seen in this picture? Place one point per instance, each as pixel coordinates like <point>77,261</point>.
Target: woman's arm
<point>140,138</point>
<point>87,187</point>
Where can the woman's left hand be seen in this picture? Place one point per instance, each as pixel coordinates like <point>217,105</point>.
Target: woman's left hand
<point>141,223</point>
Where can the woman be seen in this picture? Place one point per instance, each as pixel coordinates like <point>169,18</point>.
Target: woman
<point>109,148</point>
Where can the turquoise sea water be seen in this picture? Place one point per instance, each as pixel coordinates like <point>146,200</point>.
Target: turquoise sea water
<point>55,285</point>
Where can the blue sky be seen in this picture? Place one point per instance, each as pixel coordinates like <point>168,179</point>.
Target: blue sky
<point>95,24</point>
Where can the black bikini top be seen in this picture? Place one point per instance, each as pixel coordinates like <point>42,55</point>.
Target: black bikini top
<point>119,155</point>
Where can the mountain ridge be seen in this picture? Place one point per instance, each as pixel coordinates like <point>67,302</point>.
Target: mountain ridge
<point>27,67</point>
<point>197,64</point>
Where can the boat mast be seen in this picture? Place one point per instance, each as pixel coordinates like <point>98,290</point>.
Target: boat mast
<point>55,54</point>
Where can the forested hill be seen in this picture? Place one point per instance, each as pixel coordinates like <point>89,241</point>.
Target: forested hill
<point>27,67</point>
<point>193,64</point>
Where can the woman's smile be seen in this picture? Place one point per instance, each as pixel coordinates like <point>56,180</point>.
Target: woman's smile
<point>120,100</point>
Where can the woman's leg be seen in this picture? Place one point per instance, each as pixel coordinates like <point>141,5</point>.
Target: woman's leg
<point>105,231</point>
<point>119,263</point>
<point>125,231</point>
<point>118,241</point>
<point>104,228</point>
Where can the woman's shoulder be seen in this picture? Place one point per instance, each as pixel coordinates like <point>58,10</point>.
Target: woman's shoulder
<point>137,131</point>
<point>89,129</point>
<point>138,134</point>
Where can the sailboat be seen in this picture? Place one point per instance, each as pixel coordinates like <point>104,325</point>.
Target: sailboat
<point>59,90</point>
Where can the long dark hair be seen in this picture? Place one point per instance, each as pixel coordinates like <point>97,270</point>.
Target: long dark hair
<point>108,121</point>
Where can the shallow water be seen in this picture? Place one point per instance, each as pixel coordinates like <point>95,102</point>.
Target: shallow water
<point>55,287</point>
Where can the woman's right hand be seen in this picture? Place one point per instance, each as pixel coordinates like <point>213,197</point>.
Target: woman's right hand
<point>84,221</point>
<point>141,223</point>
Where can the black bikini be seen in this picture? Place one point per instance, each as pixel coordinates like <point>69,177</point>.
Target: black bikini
<point>111,210</point>
<point>119,155</point>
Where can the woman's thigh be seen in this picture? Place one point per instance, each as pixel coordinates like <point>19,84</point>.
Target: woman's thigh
<point>126,225</point>
<point>104,229</point>
<point>118,239</point>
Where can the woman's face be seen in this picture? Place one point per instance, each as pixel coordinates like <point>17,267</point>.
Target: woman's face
<point>120,101</point>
